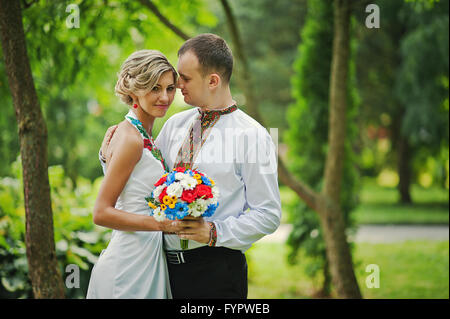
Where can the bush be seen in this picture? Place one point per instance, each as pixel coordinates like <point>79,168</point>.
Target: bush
<point>78,240</point>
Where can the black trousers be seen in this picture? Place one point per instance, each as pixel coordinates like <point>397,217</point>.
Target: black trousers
<point>209,272</point>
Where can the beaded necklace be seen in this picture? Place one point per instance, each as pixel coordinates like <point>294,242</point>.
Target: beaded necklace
<point>149,143</point>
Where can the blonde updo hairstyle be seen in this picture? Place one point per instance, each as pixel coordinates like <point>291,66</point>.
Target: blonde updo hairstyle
<point>140,73</point>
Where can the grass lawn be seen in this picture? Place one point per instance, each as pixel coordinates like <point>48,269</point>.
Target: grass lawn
<point>413,269</point>
<point>379,205</point>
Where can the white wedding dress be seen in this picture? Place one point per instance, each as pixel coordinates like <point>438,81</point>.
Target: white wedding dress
<point>134,264</point>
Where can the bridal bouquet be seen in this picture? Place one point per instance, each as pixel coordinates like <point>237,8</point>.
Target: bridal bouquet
<point>183,192</point>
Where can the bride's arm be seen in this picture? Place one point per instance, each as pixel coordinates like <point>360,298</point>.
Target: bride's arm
<point>128,151</point>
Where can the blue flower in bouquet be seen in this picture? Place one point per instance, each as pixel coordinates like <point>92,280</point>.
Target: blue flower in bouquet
<point>210,210</point>
<point>189,172</point>
<point>206,181</point>
<point>170,213</point>
<point>170,178</point>
<point>181,210</point>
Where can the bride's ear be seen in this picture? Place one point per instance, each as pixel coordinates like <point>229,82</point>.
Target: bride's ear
<point>134,98</point>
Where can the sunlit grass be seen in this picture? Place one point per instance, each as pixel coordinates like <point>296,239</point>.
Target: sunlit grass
<point>413,269</point>
<point>379,205</point>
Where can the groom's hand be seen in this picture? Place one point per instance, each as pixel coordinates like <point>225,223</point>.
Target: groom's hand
<point>194,228</point>
<point>107,139</point>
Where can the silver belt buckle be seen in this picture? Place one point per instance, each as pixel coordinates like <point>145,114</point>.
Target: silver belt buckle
<point>175,257</point>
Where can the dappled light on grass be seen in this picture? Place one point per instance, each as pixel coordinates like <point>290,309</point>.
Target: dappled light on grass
<point>412,269</point>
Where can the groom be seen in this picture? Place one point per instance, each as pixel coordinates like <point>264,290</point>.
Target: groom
<point>230,147</point>
<point>218,139</point>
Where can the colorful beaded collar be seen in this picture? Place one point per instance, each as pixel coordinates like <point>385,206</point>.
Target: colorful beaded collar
<point>149,143</point>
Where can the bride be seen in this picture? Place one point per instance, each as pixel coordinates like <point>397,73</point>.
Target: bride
<point>134,265</point>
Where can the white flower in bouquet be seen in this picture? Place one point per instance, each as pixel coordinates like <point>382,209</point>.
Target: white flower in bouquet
<point>175,189</point>
<point>210,201</point>
<point>158,190</point>
<point>215,191</point>
<point>188,182</point>
<point>197,208</point>
<point>180,176</point>
<point>158,214</point>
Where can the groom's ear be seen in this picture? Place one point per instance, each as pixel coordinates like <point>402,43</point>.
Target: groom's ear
<point>214,80</point>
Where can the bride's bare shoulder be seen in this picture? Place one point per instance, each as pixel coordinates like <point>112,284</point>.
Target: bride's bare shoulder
<point>128,132</point>
<point>126,138</point>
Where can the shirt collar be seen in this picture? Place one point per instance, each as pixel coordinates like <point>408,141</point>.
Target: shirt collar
<point>224,111</point>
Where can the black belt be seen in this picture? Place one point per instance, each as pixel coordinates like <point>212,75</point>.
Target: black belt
<point>177,257</point>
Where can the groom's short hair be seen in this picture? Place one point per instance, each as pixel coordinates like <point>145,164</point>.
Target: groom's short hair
<point>212,52</point>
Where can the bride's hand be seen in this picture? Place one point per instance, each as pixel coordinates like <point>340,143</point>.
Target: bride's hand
<point>170,226</point>
<point>107,139</point>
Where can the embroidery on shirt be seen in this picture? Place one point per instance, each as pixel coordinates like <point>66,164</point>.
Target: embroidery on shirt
<point>198,134</point>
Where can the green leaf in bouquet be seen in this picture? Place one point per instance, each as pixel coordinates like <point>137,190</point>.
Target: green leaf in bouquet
<point>152,200</point>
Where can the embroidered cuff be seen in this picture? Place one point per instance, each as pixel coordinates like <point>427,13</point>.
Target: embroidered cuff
<point>212,235</point>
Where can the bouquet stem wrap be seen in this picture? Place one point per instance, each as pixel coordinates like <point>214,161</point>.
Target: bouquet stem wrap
<point>184,244</point>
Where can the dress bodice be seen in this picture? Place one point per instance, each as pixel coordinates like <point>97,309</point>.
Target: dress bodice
<point>140,184</point>
<point>147,171</point>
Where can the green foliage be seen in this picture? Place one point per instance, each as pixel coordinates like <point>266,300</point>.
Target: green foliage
<point>270,44</point>
<point>75,71</point>
<point>310,88</point>
<point>402,72</point>
<point>423,87</point>
<point>307,136</point>
<point>78,240</point>
<point>13,261</point>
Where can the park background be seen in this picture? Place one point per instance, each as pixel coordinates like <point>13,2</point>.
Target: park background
<point>395,164</point>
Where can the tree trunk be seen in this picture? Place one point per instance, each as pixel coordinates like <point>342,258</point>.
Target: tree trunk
<point>338,253</point>
<point>338,250</point>
<point>403,153</point>
<point>326,285</point>
<point>404,170</point>
<point>42,264</point>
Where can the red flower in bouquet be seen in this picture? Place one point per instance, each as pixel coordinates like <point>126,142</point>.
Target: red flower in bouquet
<point>197,172</point>
<point>161,196</point>
<point>189,195</point>
<point>161,181</point>
<point>180,169</point>
<point>204,191</point>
